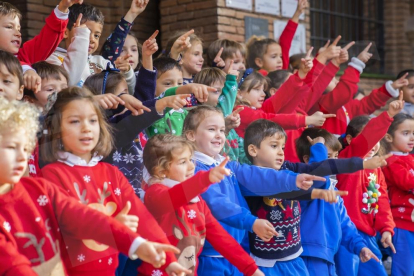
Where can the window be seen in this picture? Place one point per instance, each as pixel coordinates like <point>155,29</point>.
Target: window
<point>354,20</point>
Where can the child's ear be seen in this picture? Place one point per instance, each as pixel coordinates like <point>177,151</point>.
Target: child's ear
<point>306,159</point>
<point>190,135</point>
<point>272,91</point>
<point>259,62</point>
<point>348,139</point>
<point>20,93</point>
<point>252,150</point>
<point>388,138</point>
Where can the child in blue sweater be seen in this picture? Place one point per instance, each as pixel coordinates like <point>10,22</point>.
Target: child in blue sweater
<point>264,146</point>
<point>326,226</point>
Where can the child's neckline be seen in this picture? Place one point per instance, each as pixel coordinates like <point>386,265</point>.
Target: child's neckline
<point>72,160</point>
<point>399,153</point>
<point>208,160</point>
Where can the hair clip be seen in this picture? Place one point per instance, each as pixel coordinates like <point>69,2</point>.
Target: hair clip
<point>245,75</point>
<point>107,71</point>
<point>51,99</point>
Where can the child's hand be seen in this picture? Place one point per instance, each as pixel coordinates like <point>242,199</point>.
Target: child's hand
<point>264,229</point>
<point>343,56</point>
<point>32,81</point>
<point>307,64</point>
<point>154,253</point>
<point>330,196</point>
<point>366,254</point>
<point>329,51</point>
<point>318,118</point>
<point>122,63</point>
<point>376,162</point>
<point>305,181</point>
<point>299,10</point>
<point>108,101</point>
<point>401,82</point>
<point>78,24</point>
<point>175,102</point>
<point>64,5</point>
<point>233,120</point>
<point>231,71</point>
<point>318,139</point>
<point>176,269</point>
<point>200,91</point>
<point>258,273</point>
<point>386,240</point>
<point>181,45</point>
<point>364,56</point>
<point>218,60</point>
<point>217,174</point>
<point>150,45</point>
<point>129,221</point>
<point>134,105</point>
<point>396,106</point>
<point>138,6</point>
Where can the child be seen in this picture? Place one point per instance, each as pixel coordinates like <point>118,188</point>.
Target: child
<point>184,216</point>
<point>11,77</point>
<point>408,91</point>
<point>205,127</point>
<point>367,203</point>
<point>35,213</point>
<point>399,140</point>
<point>169,74</point>
<point>77,139</point>
<point>322,237</point>
<point>222,51</point>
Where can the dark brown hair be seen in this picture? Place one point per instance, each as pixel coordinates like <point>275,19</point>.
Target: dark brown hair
<point>12,65</point>
<point>89,13</point>
<point>164,64</point>
<point>51,141</point>
<point>398,119</point>
<point>277,78</point>
<point>230,48</point>
<point>193,39</point>
<point>95,82</point>
<point>257,48</point>
<point>8,9</point>
<point>295,61</point>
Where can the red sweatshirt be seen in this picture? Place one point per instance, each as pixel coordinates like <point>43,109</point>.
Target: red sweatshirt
<point>102,187</point>
<point>33,217</point>
<point>285,41</point>
<point>399,174</point>
<point>44,44</point>
<point>188,222</point>
<point>356,183</point>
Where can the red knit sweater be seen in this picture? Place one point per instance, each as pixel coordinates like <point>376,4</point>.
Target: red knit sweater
<point>187,225</point>
<point>285,41</point>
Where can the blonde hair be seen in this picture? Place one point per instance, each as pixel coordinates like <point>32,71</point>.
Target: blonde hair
<point>196,115</point>
<point>257,48</point>
<point>193,40</point>
<point>16,115</point>
<point>210,75</point>
<point>158,153</point>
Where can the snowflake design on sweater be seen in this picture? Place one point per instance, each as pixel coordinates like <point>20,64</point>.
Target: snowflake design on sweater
<point>81,257</point>
<point>275,215</point>
<point>296,211</point>
<point>156,273</point>
<point>117,191</point>
<point>86,178</point>
<point>401,209</point>
<point>6,226</point>
<point>411,171</point>
<point>117,156</point>
<point>191,214</point>
<point>42,200</point>
<point>139,155</point>
<point>109,261</point>
<point>129,158</point>
<point>234,88</point>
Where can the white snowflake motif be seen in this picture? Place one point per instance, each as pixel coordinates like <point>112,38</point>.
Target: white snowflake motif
<point>191,214</point>
<point>109,261</point>
<point>155,130</point>
<point>296,211</point>
<point>6,226</point>
<point>401,209</point>
<point>275,215</point>
<point>117,191</point>
<point>117,156</point>
<point>234,88</point>
<point>42,200</point>
<point>86,178</point>
<point>139,155</point>
<point>129,158</point>
<point>81,258</point>
<point>156,273</point>
<point>295,230</point>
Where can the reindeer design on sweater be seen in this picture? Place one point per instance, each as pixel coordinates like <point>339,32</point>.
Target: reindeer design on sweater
<point>190,242</point>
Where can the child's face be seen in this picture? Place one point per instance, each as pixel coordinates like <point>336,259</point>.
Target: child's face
<point>271,152</point>
<point>10,87</point>
<point>272,59</point>
<point>96,32</point>
<point>181,166</point>
<point>192,61</point>
<point>256,96</point>
<point>131,49</point>
<point>408,91</point>
<point>213,97</point>
<point>168,79</point>
<point>403,139</point>
<point>332,154</point>
<point>48,87</point>
<point>209,137</point>
<point>238,62</point>
<point>80,128</point>
<point>14,153</point>
<point>11,38</point>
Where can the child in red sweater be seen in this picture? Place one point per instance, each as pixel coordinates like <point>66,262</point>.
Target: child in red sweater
<point>173,198</point>
<point>367,203</point>
<point>77,139</point>
<point>34,213</point>
<point>399,174</point>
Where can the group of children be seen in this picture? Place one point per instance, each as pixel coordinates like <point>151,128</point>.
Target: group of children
<point>247,162</point>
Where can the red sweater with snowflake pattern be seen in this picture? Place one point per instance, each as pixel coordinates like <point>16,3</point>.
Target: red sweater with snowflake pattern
<point>102,187</point>
<point>33,217</point>
<point>399,174</point>
<point>188,222</point>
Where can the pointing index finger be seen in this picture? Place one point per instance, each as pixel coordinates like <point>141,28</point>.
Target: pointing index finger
<point>336,40</point>
<point>224,162</point>
<point>219,53</point>
<point>187,34</point>
<point>154,35</point>
<point>349,45</point>
<point>78,20</point>
<point>308,54</point>
<point>367,48</point>
<point>329,115</point>
<point>237,111</point>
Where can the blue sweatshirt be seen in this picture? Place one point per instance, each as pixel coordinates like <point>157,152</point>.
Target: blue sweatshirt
<point>325,226</point>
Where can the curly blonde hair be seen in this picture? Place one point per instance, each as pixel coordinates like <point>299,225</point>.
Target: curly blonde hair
<point>15,115</point>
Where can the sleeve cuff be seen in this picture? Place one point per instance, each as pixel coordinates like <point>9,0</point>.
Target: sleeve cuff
<point>134,246</point>
<point>248,225</point>
<point>61,15</point>
<point>358,248</point>
<point>357,64</point>
<point>26,68</point>
<point>82,32</point>
<point>393,92</point>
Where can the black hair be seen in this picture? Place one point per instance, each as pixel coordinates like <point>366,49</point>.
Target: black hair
<point>257,131</point>
<point>398,120</point>
<point>277,78</point>
<point>355,126</point>
<point>89,13</point>
<point>164,64</point>
<point>402,73</point>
